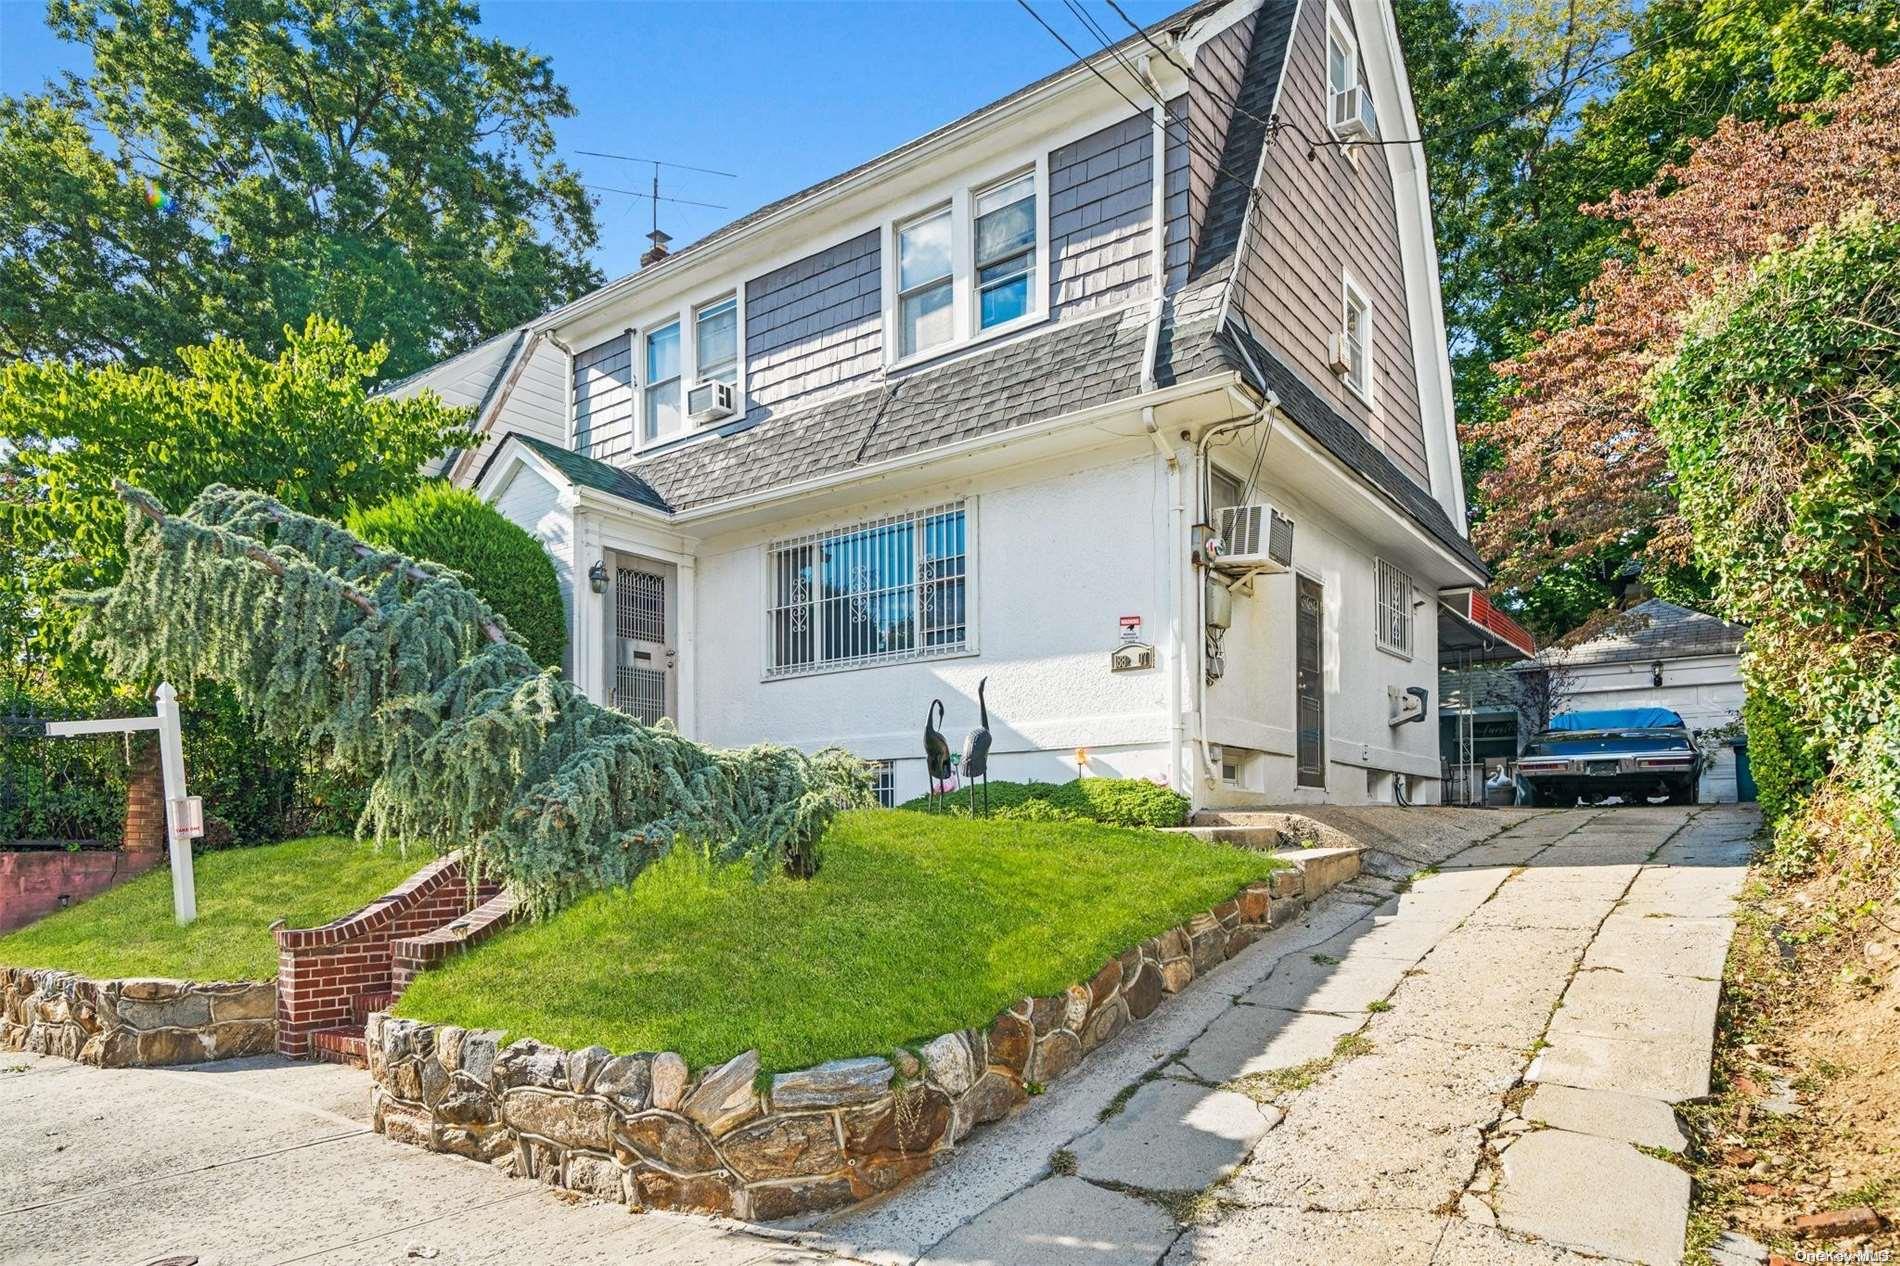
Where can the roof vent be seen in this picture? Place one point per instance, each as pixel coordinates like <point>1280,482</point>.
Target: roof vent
<point>658,252</point>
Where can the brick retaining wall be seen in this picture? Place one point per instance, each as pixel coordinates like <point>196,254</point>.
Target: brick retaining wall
<point>34,884</point>
<point>322,972</point>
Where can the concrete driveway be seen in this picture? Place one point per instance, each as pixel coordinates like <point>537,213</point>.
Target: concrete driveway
<point>1476,1063</point>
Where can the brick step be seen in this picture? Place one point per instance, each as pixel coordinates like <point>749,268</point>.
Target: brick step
<point>364,1003</point>
<point>341,1046</point>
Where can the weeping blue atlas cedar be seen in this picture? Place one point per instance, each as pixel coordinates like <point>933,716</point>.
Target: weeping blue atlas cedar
<point>392,666</point>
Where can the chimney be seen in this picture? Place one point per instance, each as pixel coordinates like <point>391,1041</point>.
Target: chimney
<point>659,238</point>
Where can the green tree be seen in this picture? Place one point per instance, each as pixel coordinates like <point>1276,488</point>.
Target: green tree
<point>302,426</point>
<point>506,567</point>
<point>230,166</point>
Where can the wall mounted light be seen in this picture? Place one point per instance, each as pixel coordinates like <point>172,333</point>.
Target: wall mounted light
<point>1655,673</point>
<point>597,576</point>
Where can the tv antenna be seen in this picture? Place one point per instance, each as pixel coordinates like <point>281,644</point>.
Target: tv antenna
<point>658,237</point>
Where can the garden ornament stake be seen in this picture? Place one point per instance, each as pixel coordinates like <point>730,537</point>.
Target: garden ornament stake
<point>976,752</point>
<point>936,755</point>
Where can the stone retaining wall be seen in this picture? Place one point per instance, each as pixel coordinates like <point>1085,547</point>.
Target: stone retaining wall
<point>134,1023</point>
<point>639,1130</point>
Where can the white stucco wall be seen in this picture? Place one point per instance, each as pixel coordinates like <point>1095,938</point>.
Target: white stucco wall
<point>1706,691</point>
<point>1059,556</point>
<point>1252,706</point>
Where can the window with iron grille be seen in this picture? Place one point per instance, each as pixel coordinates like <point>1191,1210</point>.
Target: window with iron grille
<point>886,591</point>
<point>884,782</point>
<point>1392,618</point>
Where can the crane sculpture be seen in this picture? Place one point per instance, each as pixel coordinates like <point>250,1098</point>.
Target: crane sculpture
<point>976,752</point>
<point>936,755</point>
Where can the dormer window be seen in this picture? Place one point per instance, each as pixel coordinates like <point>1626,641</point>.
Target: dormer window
<point>969,267</point>
<point>716,341</point>
<point>661,417</point>
<point>1005,250</point>
<point>926,297</point>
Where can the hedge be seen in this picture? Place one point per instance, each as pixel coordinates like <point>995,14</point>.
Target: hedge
<point>505,566</point>
<point>1114,801</point>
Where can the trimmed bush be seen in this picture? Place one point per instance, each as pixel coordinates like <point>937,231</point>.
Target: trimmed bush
<point>1114,801</point>
<point>506,567</point>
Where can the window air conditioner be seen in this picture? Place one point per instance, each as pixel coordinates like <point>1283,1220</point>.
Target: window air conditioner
<point>1352,109</point>
<point>1254,538</point>
<point>1338,356</point>
<point>709,402</point>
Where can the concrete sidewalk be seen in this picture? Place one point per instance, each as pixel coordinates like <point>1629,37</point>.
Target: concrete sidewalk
<point>267,1161</point>
<point>1478,1063</point>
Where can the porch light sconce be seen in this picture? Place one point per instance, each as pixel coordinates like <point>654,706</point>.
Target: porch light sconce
<point>1655,673</point>
<point>597,576</point>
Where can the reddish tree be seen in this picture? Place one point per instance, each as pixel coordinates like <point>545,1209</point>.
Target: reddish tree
<point>1582,469</point>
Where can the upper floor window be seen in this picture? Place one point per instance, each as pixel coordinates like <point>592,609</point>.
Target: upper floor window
<point>661,414</point>
<point>925,292</point>
<point>1005,250</point>
<point>716,341</point>
<point>1354,357</point>
<point>1392,608</point>
<point>967,267</point>
<point>1348,102</point>
<point>881,592</point>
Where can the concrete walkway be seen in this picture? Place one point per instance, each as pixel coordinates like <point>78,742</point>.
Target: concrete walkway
<point>266,1161</point>
<point>1467,1065</point>
<point>1475,1065</point>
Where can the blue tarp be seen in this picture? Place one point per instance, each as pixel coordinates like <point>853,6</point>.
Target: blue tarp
<point>1615,719</point>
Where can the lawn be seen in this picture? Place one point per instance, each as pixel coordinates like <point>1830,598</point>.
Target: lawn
<point>914,925</point>
<point>129,931</point>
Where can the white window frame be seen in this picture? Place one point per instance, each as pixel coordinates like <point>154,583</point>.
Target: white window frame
<point>771,607</point>
<point>1392,608</point>
<point>884,782</point>
<point>965,314</point>
<point>1350,293</point>
<point>945,212</point>
<point>647,384</point>
<point>1340,35</point>
<point>686,313</point>
<point>698,374</point>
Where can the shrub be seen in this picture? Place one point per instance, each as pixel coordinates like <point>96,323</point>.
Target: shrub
<point>1779,413</point>
<point>1785,757</point>
<point>1114,801</point>
<point>1036,811</point>
<point>506,567</point>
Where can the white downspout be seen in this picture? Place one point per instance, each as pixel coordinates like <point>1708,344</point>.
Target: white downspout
<point>1202,475</point>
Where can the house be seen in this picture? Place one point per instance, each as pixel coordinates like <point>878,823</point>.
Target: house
<point>1127,393</point>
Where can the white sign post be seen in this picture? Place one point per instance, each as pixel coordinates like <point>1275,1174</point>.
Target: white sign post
<point>184,815</point>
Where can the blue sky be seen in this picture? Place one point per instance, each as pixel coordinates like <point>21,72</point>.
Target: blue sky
<point>785,94</point>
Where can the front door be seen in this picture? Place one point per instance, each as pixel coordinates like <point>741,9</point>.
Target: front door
<point>643,654</point>
<point>1309,683</point>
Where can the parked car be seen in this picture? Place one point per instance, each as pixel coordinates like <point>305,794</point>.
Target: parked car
<point>1639,755</point>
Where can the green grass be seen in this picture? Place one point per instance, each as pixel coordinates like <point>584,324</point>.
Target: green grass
<point>129,930</point>
<point>914,925</point>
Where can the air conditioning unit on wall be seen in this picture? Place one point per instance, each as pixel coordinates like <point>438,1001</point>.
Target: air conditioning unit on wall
<point>1253,538</point>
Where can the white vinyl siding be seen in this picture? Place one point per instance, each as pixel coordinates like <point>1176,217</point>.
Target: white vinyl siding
<point>885,591</point>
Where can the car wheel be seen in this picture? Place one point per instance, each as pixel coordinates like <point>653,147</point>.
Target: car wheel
<point>1683,793</point>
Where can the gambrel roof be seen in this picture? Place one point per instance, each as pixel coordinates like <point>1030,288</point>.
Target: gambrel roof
<point>1074,364</point>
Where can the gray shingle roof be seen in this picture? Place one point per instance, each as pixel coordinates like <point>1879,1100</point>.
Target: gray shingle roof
<point>1654,629</point>
<point>585,471</point>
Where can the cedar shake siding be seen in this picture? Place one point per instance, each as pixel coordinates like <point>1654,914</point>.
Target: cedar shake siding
<point>1219,66</point>
<point>1314,220</point>
<point>1101,203</point>
<point>603,399</point>
<point>814,327</point>
<point>1178,205</point>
